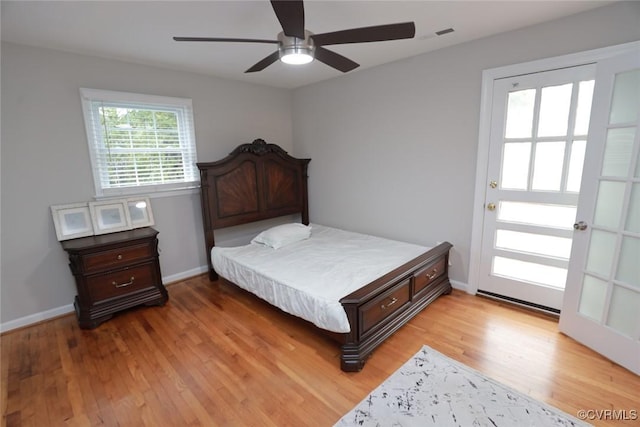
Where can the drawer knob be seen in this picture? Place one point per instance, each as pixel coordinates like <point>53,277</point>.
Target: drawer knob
<point>119,257</point>
<point>432,274</point>
<point>391,302</point>
<point>122,285</point>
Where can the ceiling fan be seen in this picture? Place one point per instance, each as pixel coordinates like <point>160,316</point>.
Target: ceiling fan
<point>299,46</point>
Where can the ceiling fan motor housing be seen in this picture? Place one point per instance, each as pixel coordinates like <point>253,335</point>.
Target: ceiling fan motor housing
<point>295,50</point>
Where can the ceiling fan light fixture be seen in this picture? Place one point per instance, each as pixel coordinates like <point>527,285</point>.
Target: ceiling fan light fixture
<point>296,51</point>
<point>296,56</point>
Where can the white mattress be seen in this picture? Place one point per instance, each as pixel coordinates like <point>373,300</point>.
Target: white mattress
<point>309,277</point>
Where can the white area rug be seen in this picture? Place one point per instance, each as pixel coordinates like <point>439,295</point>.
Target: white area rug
<point>434,390</point>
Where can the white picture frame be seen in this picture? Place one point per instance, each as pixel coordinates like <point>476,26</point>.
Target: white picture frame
<point>140,212</point>
<point>110,216</point>
<point>72,221</point>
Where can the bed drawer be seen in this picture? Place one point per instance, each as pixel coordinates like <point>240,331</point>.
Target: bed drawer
<point>384,305</point>
<point>424,277</point>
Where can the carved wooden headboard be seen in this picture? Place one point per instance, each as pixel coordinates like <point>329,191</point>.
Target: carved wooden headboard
<point>256,181</point>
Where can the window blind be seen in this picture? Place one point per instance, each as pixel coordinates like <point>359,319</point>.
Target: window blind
<point>139,143</point>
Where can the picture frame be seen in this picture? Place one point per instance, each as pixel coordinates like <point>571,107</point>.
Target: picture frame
<point>72,221</point>
<point>110,216</point>
<point>140,212</point>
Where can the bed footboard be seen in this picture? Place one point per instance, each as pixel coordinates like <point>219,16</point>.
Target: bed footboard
<point>383,306</point>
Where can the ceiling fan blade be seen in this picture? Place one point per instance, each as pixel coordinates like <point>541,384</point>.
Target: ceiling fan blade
<point>219,39</point>
<point>335,60</point>
<point>378,33</point>
<point>290,13</point>
<point>264,63</point>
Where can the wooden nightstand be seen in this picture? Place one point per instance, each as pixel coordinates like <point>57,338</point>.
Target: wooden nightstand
<point>114,272</point>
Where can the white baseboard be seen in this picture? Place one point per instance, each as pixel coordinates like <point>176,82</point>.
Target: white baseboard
<point>459,285</point>
<point>36,318</point>
<point>66,309</point>
<point>168,280</point>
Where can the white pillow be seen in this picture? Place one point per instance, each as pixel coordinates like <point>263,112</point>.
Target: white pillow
<point>281,235</point>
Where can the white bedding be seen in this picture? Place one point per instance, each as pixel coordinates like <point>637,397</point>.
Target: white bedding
<point>309,277</point>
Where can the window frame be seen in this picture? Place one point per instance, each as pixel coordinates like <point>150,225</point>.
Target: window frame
<point>184,109</point>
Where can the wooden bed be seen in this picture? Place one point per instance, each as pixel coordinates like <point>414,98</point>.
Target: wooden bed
<point>258,181</point>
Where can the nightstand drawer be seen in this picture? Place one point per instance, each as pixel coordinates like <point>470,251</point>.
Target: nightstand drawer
<point>117,257</point>
<point>428,275</point>
<point>120,283</point>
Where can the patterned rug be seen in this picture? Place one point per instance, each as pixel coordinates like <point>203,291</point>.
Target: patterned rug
<point>434,390</point>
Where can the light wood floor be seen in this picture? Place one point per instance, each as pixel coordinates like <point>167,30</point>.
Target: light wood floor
<point>215,355</point>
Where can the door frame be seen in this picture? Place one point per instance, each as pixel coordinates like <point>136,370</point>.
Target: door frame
<point>484,132</point>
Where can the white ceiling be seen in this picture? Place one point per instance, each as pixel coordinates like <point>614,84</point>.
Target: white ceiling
<point>142,31</point>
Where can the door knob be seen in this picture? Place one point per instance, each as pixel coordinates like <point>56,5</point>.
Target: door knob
<point>491,206</point>
<point>580,225</point>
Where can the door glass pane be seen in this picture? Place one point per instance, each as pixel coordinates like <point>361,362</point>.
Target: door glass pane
<point>633,215</point>
<point>558,216</point>
<point>594,293</point>
<point>609,204</point>
<point>576,162</point>
<point>515,165</point>
<point>626,92</point>
<point>520,113</point>
<point>617,152</point>
<point>530,272</point>
<point>539,244</point>
<point>629,262</point>
<point>583,113</point>
<point>547,172</point>
<point>624,315</point>
<point>554,110</point>
<point>601,252</point>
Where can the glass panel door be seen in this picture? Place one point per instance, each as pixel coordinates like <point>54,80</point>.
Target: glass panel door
<point>538,141</point>
<point>602,304</point>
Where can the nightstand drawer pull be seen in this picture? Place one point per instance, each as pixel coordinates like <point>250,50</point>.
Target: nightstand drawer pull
<point>122,285</point>
<point>119,257</point>
<point>393,301</point>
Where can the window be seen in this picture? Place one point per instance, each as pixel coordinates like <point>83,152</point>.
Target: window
<point>139,143</point>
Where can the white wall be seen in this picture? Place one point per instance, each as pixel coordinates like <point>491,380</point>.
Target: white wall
<point>45,161</point>
<point>394,147</point>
